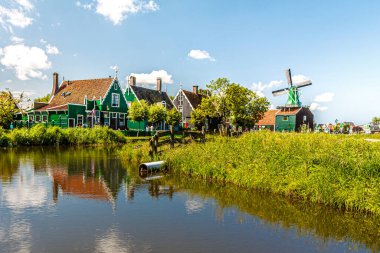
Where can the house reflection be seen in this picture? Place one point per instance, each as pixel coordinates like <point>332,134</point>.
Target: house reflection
<point>92,177</point>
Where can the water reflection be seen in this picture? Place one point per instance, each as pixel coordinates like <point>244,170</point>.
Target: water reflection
<point>78,185</point>
<point>114,241</point>
<point>26,191</point>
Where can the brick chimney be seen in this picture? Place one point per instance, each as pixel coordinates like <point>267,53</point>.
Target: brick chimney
<point>195,89</point>
<point>55,84</point>
<point>159,84</point>
<point>132,81</point>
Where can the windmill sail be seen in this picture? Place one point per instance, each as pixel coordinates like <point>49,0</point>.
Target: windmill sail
<point>303,84</point>
<point>289,77</point>
<point>280,92</point>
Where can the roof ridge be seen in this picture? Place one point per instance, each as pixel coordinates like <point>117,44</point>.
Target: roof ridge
<point>88,79</point>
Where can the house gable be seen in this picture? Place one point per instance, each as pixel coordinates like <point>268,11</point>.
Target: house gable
<point>114,91</point>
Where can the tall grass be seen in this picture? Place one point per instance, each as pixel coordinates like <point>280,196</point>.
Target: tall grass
<point>336,170</point>
<point>41,135</point>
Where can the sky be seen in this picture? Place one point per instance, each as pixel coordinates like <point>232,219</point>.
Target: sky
<point>191,42</point>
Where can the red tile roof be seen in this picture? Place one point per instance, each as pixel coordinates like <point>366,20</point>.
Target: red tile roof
<point>75,91</point>
<point>289,111</point>
<point>269,118</point>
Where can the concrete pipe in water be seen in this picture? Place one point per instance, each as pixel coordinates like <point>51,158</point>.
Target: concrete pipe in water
<point>151,167</point>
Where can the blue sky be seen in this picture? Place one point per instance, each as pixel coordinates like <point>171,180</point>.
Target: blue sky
<point>188,42</point>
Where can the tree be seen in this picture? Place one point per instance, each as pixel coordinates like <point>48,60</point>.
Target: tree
<point>232,103</point>
<point>173,117</point>
<point>8,108</point>
<point>139,111</point>
<point>157,113</point>
<point>44,99</point>
<point>198,118</point>
<point>376,120</point>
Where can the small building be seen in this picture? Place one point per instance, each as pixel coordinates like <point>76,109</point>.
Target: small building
<point>292,119</point>
<point>76,103</point>
<point>135,93</point>
<point>187,101</point>
<point>268,121</point>
<point>288,119</point>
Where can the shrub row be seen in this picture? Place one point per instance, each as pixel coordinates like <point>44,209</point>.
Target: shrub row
<point>41,135</point>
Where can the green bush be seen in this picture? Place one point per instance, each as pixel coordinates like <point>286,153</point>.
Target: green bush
<point>40,135</point>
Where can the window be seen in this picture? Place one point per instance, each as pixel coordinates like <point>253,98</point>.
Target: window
<point>163,104</point>
<point>180,98</point>
<point>114,115</point>
<point>79,120</point>
<point>285,118</point>
<point>44,118</point>
<point>115,86</point>
<point>30,118</point>
<point>304,118</point>
<point>115,100</point>
<point>180,108</point>
<point>122,120</point>
<point>38,118</point>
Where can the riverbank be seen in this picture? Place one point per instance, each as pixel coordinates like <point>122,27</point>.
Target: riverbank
<point>340,171</point>
<point>41,135</point>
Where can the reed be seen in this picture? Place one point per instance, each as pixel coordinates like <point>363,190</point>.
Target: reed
<point>341,171</point>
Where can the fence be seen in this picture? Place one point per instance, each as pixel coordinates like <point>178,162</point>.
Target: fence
<point>155,141</point>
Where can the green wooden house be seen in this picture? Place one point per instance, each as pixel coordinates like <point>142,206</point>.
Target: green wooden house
<point>287,119</point>
<point>82,103</point>
<point>135,93</point>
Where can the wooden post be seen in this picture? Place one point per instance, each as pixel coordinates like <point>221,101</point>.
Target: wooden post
<point>203,133</point>
<point>155,143</point>
<point>151,147</point>
<point>171,136</point>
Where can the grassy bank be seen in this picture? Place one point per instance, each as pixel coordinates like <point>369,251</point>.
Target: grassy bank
<point>40,135</point>
<point>336,170</point>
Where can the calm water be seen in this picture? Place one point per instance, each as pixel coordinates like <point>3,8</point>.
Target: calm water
<point>75,200</point>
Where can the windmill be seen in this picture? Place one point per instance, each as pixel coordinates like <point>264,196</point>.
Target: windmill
<point>292,91</point>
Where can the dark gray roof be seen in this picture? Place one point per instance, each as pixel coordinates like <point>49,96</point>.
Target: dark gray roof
<point>152,96</point>
<point>194,99</point>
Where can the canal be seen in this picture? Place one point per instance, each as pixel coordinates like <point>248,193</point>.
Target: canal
<point>90,200</point>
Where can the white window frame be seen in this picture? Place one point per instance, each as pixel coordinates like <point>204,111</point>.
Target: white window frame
<point>180,108</point>
<point>46,118</point>
<point>39,118</point>
<point>30,117</point>
<point>121,119</point>
<point>163,103</point>
<point>79,116</point>
<point>115,86</point>
<point>114,115</point>
<point>118,104</point>
<point>285,118</point>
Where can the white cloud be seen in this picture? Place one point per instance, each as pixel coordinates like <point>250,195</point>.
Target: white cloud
<point>25,4</point>
<point>317,107</point>
<point>299,79</point>
<point>151,78</point>
<point>117,10</point>
<point>42,41</point>
<point>260,87</point>
<point>27,62</point>
<point>16,40</point>
<point>200,55</point>
<point>325,97</point>
<point>51,49</point>
<point>84,6</point>
<point>8,81</point>
<point>14,17</point>
<point>194,206</point>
